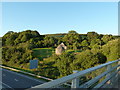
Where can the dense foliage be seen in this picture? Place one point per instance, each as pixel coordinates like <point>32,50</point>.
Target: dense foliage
<point>83,51</point>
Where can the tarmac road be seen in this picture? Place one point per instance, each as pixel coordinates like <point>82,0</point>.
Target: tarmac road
<point>13,80</point>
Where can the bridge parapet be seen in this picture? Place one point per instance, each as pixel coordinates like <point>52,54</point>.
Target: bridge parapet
<point>101,76</point>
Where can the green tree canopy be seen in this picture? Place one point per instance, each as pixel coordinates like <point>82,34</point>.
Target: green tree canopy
<point>72,32</point>
<point>64,63</point>
<point>107,38</point>
<point>111,50</point>
<point>92,36</point>
<point>87,59</point>
<point>84,43</point>
<point>71,38</point>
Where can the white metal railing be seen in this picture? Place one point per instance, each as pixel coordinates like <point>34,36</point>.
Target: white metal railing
<point>107,77</point>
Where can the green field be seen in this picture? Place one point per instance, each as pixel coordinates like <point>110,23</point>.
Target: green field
<point>41,53</point>
<point>72,51</point>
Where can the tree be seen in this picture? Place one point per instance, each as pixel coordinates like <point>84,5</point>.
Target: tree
<point>107,38</point>
<point>49,41</point>
<point>96,46</point>
<point>75,45</point>
<point>111,50</point>
<point>24,38</point>
<point>71,38</point>
<point>9,38</point>
<point>72,32</point>
<point>84,43</point>
<point>27,56</point>
<point>87,59</point>
<point>9,32</point>
<point>92,36</point>
<point>64,63</point>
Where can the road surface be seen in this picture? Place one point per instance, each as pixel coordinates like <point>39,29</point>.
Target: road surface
<point>13,80</point>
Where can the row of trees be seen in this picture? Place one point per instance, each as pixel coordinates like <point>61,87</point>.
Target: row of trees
<point>72,39</point>
<point>92,40</point>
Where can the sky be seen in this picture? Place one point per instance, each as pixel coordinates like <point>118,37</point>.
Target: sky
<point>60,17</point>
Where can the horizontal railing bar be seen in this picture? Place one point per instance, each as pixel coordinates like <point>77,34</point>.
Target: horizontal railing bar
<point>89,83</point>
<point>72,76</point>
<point>105,80</point>
<point>67,84</point>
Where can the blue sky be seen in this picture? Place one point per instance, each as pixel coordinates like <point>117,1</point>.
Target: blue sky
<point>60,17</point>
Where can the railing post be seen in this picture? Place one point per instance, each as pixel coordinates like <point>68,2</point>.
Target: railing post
<point>118,74</point>
<point>108,68</point>
<point>108,75</point>
<point>75,82</point>
<point>119,66</point>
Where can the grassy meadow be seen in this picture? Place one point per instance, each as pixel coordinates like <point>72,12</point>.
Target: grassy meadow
<point>42,53</point>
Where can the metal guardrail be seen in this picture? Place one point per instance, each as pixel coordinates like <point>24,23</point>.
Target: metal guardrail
<point>111,72</point>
